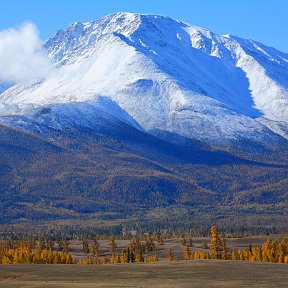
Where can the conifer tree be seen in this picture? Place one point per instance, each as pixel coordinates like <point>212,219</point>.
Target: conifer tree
<point>95,251</point>
<point>131,256</point>
<point>85,244</point>
<point>216,244</point>
<point>112,245</point>
<point>139,256</point>
<point>170,256</point>
<point>150,244</point>
<point>187,252</point>
<point>124,256</point>
<point>184,242</point>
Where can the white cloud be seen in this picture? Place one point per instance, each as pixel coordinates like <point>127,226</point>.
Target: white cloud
<point>21,55</point>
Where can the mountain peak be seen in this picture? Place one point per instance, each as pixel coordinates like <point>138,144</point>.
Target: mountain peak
<point>162,74</point>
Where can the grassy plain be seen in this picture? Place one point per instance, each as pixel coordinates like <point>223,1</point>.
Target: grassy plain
<point>179,273</point>
<point>198,273</point>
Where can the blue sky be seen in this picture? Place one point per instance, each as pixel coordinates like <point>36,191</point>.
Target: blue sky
<point>262,20</point>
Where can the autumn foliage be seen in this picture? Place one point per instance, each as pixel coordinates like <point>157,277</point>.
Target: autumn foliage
<point>23,253</point>
<point>139,250</point>
<point>270,251</point>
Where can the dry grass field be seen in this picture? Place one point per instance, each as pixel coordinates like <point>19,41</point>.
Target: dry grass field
<point>179,273</point>
<point>198,273</point>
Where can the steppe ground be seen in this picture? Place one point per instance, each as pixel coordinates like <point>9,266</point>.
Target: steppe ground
<point>179,273</point>
<point>198,273</point>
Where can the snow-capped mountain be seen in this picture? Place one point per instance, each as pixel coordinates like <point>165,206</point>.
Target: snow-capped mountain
<point>156,74</point>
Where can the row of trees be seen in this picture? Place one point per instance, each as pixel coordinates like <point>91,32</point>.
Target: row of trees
<point>24,254</point>
<point>133,253</point>
<point>43,252</point>
<point>31,243</point>
<point>270,251</point>
<point>126,256</point>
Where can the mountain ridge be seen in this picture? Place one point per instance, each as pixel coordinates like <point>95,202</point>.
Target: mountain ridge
<point>165,74</point>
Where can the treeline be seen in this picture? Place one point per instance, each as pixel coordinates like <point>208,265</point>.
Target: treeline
<point>49,252</point>
<point>26,252</point>
<point>139,250</point>
<point>134,253</point>
<point>62,233</point>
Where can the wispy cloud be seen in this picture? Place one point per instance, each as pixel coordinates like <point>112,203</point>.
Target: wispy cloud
<point>21,54</point>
